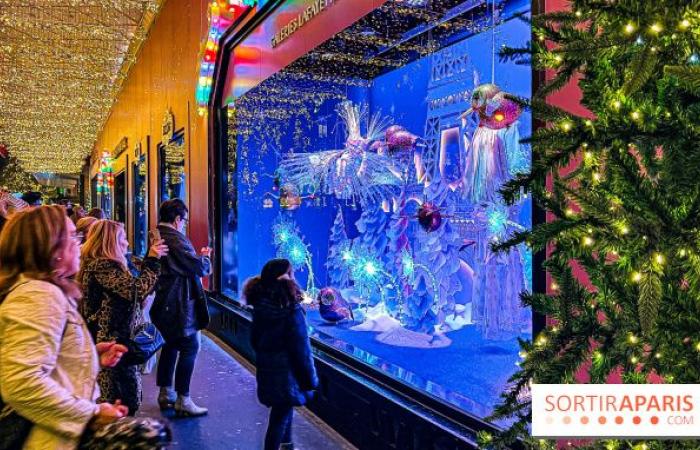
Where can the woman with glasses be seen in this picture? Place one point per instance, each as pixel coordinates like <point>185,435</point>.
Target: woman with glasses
<point>48,361</point>
<point>113,298</point>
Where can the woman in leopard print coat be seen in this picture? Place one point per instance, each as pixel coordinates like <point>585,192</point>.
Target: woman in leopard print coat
<point>112,300</point>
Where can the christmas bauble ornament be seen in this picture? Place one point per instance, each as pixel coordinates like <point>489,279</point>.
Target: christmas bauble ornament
<point>332,306</point>
<point>429,217</point>
<point>481,96</point>
<point>501,112</point>
<point>289,198</point>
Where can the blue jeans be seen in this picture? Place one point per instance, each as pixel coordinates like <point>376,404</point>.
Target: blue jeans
<point>187,347</point>
<point>279,427</point>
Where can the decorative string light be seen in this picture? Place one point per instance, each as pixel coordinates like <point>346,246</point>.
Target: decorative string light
<point>61,73</point>
<point>222,14</point>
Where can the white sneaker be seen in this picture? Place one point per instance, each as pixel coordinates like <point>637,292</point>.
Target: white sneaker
<point>185,407</point>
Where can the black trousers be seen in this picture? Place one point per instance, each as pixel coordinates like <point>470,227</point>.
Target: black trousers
<point>279,427</point>
<point>177,358</point>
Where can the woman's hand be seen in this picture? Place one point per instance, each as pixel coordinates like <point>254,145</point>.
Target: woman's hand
<point>108,413</point>
<point>158,249</point>
<point>110,353</point>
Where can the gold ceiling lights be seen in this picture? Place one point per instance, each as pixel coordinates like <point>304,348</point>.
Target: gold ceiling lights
<point>62,65</point>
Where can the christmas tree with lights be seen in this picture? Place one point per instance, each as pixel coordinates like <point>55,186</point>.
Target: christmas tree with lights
<point>622,189</point>
<point>14,178</point>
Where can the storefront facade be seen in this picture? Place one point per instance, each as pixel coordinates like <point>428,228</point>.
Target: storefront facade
<point>365,142</point>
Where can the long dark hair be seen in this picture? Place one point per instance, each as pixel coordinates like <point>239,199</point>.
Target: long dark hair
<point>267,285</point>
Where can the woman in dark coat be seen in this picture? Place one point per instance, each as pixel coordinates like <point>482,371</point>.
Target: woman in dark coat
<point>112,297</point>
<point>286,374</point>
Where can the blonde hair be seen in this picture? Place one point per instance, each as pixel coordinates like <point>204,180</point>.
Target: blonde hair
<point>84,225</point>
<point>102,242</point>
<point>31,243</point>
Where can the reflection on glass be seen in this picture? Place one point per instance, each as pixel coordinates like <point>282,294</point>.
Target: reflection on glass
<point>140,210</point>
<point>172,169</point>
<point>229,237</point>
<point>120,197</point>
<point>373,164</point>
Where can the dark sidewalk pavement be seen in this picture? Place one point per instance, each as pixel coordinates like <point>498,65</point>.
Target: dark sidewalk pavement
<point>236,420</point>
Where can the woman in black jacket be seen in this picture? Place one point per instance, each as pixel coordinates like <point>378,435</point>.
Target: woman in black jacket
<point>112,297</point>
<point>286,374</point>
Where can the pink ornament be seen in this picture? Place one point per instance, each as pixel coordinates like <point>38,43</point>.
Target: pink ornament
<point>501,112</point>
<point>401,140</point>
<point>393,130</point>
<point>429,217</point>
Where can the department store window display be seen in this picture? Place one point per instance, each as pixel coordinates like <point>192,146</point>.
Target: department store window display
<point>373,164</point>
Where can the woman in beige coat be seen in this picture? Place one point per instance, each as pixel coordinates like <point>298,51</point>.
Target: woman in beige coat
<point>48,361</point>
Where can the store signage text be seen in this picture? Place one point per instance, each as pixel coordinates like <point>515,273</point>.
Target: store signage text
<point>313,10</point>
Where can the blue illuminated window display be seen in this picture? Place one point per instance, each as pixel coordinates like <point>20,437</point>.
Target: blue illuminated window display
<point>375,170</point>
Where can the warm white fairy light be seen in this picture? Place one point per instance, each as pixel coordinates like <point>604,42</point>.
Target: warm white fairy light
<point>61,73</point>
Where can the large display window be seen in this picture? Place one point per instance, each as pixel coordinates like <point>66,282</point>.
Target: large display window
<point>373,164</point>
<point>140,223</point>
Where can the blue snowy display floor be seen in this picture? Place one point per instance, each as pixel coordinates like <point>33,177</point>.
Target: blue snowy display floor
<point>470,373</point>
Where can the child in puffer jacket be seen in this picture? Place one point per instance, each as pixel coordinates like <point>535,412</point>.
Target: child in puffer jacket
<point>286,375</point>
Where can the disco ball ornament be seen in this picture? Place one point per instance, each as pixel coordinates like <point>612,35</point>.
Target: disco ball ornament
<point>332,306</point>
<point>501,112</point>
<point>429,217</point>
<point>482,96</point>
<point>289,198</point>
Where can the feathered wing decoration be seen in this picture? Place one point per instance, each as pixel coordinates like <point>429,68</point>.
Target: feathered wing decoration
<point>353,173</point>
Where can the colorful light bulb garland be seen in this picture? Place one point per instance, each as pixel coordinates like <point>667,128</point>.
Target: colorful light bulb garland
<point>222,14</point>
<point>105,179</point>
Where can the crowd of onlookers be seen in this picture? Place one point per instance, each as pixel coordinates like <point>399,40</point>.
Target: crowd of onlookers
<point>73,310</point>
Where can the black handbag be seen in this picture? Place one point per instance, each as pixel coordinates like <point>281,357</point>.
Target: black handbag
<point>145,340</point>
<point>15,428</point>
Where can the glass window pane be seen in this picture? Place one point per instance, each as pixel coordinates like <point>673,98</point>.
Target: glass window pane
<point>373,164</point>
<point>140,208</point>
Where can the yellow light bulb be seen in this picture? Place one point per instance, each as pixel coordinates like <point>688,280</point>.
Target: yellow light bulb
<point>636,115</point>
<point>657,356</point>
<point>596,176</point>
<point>569,212</point>
<point>682,252</point>
<point>636,277</point>
<point>566,126</point>
<point>685,23</point>
<point>624,229</point>
<point>629,28</point>
<point>554,286</point>
<point>634,360</point>
<point>656,27</point>
<point>578,14</point>
<point>617,104</point>
<point>589,122</point>
<point>659,258</point>
<point>697,346</point>
<point>632,339</point>
<point>558,58</point>
<point>587,241</point>
<point>588,155</point>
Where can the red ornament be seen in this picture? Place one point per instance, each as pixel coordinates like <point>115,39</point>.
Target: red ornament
<point>4,152</point>
<point>429,217</point>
